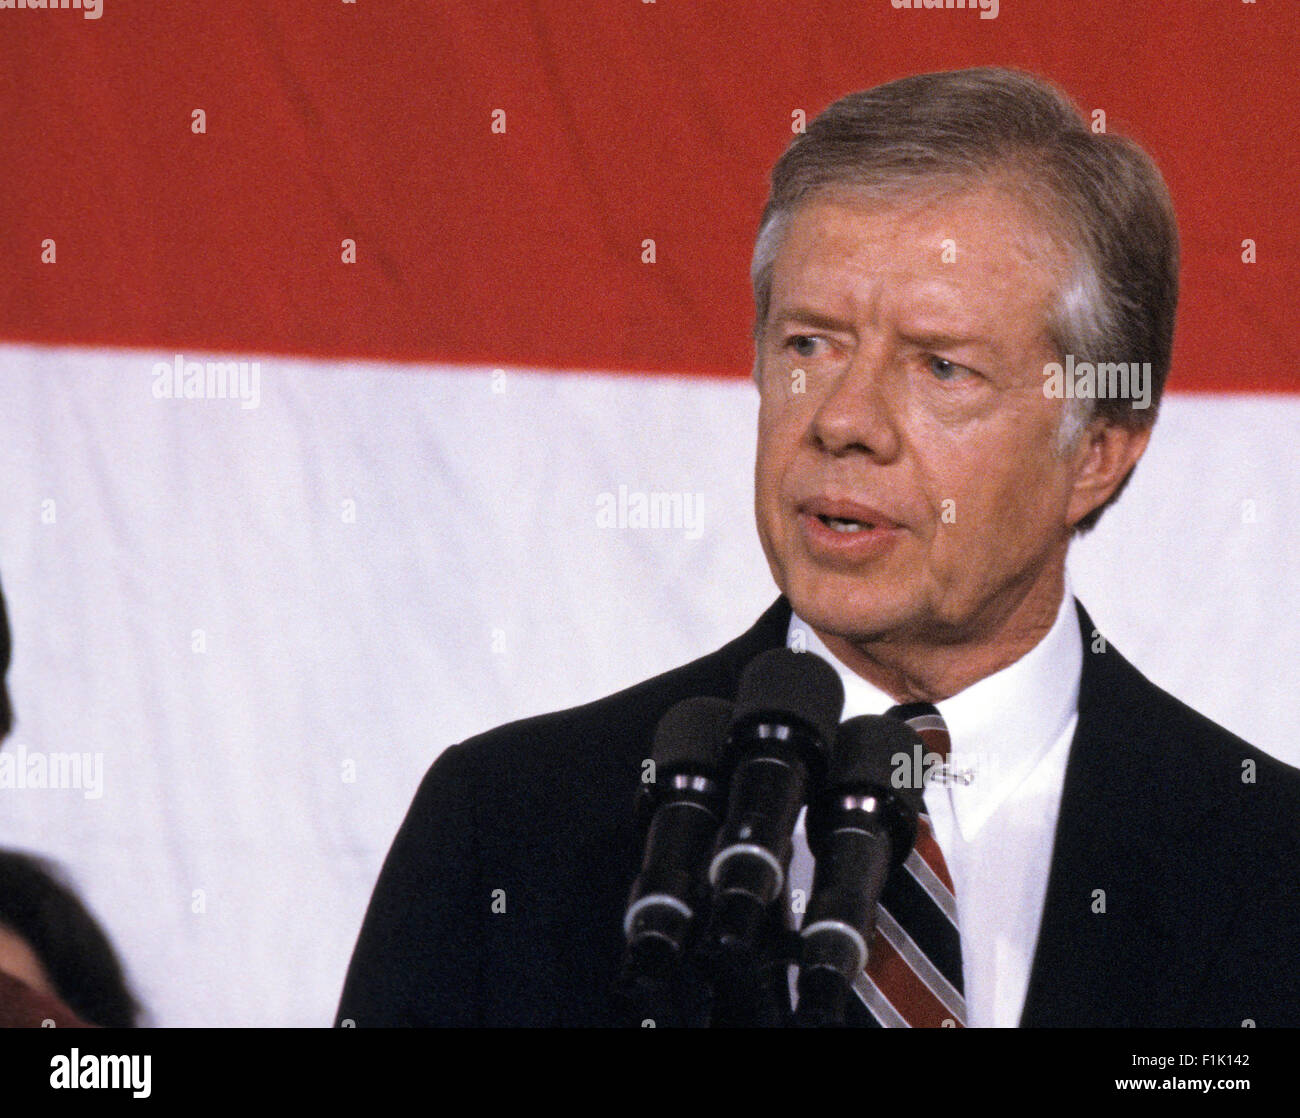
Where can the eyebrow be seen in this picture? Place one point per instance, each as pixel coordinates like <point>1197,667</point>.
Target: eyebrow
<point>930,339</point>
<point>803,316</point>
<point>937,339</point>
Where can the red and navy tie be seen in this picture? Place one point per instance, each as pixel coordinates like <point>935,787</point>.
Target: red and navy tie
<point>913,976</point>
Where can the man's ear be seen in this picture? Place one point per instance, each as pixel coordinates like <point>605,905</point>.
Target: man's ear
<point>1105,455</point>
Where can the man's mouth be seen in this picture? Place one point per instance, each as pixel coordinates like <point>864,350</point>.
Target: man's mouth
<point>839,530</point>
<point>840,524</point>
<point>842,514</point>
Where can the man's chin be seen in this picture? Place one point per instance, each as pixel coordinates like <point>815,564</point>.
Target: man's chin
<point>843,608</point>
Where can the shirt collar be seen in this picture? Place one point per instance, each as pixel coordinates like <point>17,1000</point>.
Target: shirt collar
<point>1000,726</point>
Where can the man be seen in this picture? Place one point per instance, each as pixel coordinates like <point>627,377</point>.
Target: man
<point>932,252</point>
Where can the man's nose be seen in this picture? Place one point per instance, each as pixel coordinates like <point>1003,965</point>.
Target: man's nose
<point>856,413</point>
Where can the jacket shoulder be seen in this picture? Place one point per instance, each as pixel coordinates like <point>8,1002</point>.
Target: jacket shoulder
<point>1185,834</point>
<point>616,730</point>
<point>1191,751</point>
<point>501,898</point>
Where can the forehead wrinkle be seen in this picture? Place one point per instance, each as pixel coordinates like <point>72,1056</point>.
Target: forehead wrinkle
<point>820,291</point>
<point>891,262</point>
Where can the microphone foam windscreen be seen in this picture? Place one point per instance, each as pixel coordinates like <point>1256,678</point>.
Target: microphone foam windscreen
<point>692,735</point>
<point>802,684</point>
<point>877,751</point>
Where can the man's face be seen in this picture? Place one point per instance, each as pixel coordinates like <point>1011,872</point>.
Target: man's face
<point>907,483</point>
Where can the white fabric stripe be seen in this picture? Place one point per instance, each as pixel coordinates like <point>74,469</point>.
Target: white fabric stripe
<point>919,961</point>
<point>879,1006</point>
<point>170,485</point>
<point>928,722</point>
<point>934,887</point>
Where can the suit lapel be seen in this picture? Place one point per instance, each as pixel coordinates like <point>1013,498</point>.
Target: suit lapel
<point>1108,933</point>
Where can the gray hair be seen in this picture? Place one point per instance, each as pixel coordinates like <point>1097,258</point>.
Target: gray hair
<point>1099,196</point>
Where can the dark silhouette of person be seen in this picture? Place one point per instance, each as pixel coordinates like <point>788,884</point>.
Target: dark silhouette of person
<point>56,964</point>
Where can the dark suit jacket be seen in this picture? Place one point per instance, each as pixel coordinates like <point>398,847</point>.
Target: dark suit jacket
<point>502,898</point>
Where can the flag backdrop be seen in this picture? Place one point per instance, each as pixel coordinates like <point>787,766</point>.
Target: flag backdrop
<point>422,228</point>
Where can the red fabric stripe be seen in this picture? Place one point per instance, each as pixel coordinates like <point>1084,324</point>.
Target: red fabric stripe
<point>936,741</point>
<point>624,122</point>
<point>928,851</point>
<point>904,987</point>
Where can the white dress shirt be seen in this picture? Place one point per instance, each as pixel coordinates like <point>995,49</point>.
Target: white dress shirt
<point>1012,732</point>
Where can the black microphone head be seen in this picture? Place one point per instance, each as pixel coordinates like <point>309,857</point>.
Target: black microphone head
<point>786,684</point>
<point>690,739</point>
<point>874,750</point>
<point>692,736</point>
<point>881,756</point>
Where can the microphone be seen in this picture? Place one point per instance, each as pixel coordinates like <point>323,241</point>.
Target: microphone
<point>684,804</point>
<point>860,828</point>
<point>787,707</point>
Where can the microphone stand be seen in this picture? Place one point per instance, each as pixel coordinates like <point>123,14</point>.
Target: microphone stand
<point>713,984</point>
<point>668,991</point>
<point>750,983</point>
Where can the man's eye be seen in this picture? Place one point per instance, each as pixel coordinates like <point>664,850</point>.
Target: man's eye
<point>944,369</point>
<point>804,345</point>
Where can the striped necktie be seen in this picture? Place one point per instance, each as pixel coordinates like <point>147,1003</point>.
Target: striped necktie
<point>913,976</point>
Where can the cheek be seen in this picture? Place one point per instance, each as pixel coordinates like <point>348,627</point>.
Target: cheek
<point>778,436</point>
<point>764,456</point>
<point>767,479</point>
<point>999,495</point>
